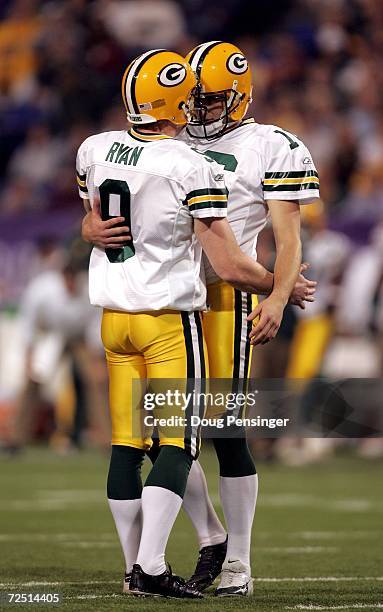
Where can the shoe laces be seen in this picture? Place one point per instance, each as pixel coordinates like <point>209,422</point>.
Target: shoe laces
<point>228,577</point>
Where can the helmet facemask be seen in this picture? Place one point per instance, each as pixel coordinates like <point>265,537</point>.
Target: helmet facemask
<point>203,105</point>
<point>223,91</point>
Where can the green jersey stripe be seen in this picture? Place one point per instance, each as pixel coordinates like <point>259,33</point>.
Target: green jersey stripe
<point>291,174</point>
<point>207,204</point>
<point>287,188</point>
<point>206,192</point>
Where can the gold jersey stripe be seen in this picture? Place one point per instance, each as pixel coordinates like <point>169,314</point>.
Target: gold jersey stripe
<point>81,183</point>
<point>206,198</point>
<point>291,181</point>
<point>148,137</point>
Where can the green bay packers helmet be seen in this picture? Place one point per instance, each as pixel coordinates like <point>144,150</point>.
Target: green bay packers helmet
<point>156,86</point>
<point>223,74</point>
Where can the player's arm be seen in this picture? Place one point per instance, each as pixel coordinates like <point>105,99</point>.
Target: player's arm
<point>87,206</point>
<point>285,217</point>
<point>229,262</point>
<point>241,271</point>
<point>234,267</point>
<point>290,179</point>
<point>103,234</point>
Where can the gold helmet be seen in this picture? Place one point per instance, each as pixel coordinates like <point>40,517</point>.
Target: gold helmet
<point>223,74</point>
<point>157,85</point>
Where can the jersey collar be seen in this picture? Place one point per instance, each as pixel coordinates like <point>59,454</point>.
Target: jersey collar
<point>147,137</point>
<point>239,125</point>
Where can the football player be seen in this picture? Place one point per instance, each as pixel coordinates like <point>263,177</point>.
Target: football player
<point>152,291</point>
<point>262,167</point>
<point>269,172</point>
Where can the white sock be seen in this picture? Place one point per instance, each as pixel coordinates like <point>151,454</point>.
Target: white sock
<point>200,510</point>
<point>159,512</point>
<point>128,520</point>
<point>239,497</point>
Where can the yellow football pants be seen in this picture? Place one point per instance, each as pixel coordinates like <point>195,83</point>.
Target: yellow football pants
<point>309,344</point>
<point>226,331</point>
<point>152,345</point>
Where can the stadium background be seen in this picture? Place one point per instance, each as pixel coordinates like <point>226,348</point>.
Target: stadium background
<point>317,68</point>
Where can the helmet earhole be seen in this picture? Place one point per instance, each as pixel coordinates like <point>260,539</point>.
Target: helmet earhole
<point>181,105</point>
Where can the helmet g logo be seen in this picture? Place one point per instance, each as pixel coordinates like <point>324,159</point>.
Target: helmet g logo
<point>171,75</point>
<point>237,63</point>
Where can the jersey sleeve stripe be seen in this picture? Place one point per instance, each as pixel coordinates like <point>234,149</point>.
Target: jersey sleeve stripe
<point>208,204</point>
<point>204,192</point>
<point>81,177</point>
<point>291,181</point>
<point>207,198</point>
<point>291,174</point>
<point>287,188</point>
<point>83,193</point>
<point>81,183</point>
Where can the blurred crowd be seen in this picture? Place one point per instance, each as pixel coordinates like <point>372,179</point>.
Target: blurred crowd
<point>318,72</point>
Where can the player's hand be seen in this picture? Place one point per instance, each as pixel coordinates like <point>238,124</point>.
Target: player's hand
<point>304,289</point>
<point>104,234</point>
<point>270,312</point>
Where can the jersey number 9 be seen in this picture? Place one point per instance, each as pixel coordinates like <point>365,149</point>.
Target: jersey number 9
<point>115,202</point>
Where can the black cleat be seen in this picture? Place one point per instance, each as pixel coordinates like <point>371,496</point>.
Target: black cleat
<point>166,584</point>
<point>126,583</point>
<point>209,566</point>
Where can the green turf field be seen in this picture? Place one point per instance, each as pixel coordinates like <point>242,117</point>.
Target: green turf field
<point>318,541</point>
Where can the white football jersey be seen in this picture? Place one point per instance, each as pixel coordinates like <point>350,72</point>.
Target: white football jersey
<point>158,184</point>
<point>260,163</point>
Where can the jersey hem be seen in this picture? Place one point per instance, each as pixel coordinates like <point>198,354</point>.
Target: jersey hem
<point>286,195</point>
<point>211,213</point>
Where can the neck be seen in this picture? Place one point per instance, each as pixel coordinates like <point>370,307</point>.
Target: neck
<point>160,127</point>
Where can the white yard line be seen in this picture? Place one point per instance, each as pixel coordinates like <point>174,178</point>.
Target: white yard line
<point>377,606</point>
<point>297,550</point>
<point>33,583</point>
<point>309,501</point>
<point>56,537</point>
<point>110,596</point>
<point>262,535</point>
<point>324,579</point>
<point>330,535</point>
<point>62,499</point>
<point>357,606</point>
<point>88,544</point>
<point>298,500</point>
